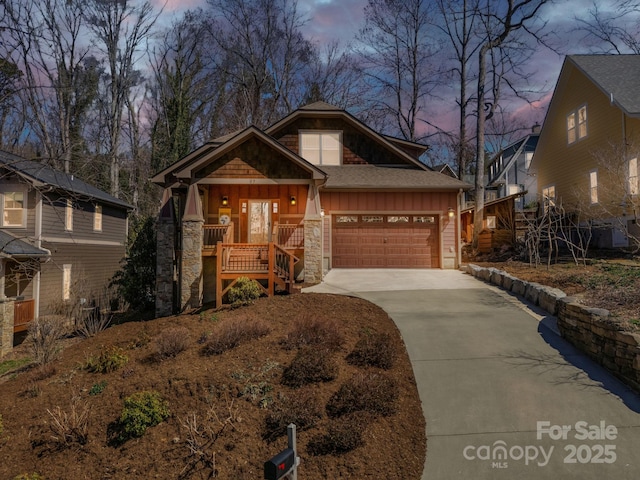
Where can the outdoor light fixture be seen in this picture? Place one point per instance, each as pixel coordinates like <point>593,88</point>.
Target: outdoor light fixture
<point>293,199</point>
<point>225,201</point>
<point>451,212</point>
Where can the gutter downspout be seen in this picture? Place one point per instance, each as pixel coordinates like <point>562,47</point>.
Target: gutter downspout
<point>458,229</point>
<point>38,235</point>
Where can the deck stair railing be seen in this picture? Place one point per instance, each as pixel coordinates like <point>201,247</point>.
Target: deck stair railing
<point>23,314</point>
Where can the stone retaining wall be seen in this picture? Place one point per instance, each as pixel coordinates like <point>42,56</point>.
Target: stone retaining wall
<point>589,329</point>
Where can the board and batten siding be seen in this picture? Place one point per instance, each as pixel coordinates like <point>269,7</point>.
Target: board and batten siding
<point>396,202</point>
<point>567,166</point>
<point>92,267</point>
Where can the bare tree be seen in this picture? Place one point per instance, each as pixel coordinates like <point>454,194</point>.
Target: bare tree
<point>122,29</point>
<point>614,29</point>
<point>47,48</point>
<point>396,47</point>
<point>501,20</point>
<point>263,55</point>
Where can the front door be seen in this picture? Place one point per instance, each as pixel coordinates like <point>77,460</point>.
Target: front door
<point>259,221</point>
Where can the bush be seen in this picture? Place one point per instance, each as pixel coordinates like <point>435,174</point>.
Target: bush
<point>171,342</point>
<point>142,410</point>
<point>244,292</point>
<point>29,476</point>
<point>308,329</point>
<point>373,350</point>
<point>302,409</point>
<point>109,360</point>
<point>231,333</point>
<point>72,427</point>
<point>343,435</point>
<point>136,281</point>
<point>310,366</point>
<point>364,392</point>
<point>45,334</point>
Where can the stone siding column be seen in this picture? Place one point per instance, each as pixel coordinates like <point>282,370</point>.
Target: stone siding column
<point>191,274</point>
<point>6,326</point>
<point>165,254</point>
<point>313,249</point>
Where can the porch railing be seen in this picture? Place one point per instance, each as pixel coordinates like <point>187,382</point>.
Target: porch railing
<point>212,234</point>
<point>23,314</point>
<point>289,236</point>
<point>268,262</point>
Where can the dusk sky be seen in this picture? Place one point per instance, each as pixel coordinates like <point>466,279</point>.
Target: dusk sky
<point>339,20</point>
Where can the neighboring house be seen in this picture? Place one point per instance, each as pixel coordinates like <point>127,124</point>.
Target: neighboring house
<point>509,170</point>
<point>61,240</point>
<point>319,190</point>
<point>446,169</point>
<point>587,155</point>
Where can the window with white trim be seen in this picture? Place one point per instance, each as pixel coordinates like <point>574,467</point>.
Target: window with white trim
<point>14,213</point>
<point>577,124</point>
<point>68,217</point>
<point>548,197</point>
<point>66,281</point>
<point>633,177</point>
<point>321,148</point>
<point>593,186</point>
<point>97,218</point>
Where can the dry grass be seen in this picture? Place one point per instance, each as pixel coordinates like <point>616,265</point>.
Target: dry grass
<point>70,427</point>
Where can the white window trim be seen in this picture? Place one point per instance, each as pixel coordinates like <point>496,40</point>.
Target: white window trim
<point>15,189</point>
<point>577,124</point>
<point>97,218</point>
<point>593,186</point>
<point>548,200</point>
<point>319,133</point>
<point>68,216</point>
<point>633,178</point>
<point>66,281</point>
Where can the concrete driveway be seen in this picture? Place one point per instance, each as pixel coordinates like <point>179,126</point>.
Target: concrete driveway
<point>503,395</point>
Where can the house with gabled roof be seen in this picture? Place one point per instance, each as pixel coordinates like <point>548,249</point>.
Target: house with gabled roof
<point>586,158</point>
<point>61,241</point>
<point>317,190</point>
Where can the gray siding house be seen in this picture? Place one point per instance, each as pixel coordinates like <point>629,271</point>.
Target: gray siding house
<point>61,239</point>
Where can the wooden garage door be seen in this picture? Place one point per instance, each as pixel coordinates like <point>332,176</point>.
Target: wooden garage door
<point>385,241</point>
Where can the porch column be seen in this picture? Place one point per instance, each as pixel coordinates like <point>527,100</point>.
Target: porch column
<point>6,326</point>
<point>191,271</point>
<point>313,237</point>
<point>165,257</point>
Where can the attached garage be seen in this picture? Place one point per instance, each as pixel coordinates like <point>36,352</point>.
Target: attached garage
<point>387,240</point>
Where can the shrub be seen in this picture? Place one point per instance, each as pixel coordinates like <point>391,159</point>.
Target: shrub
<point>45,334</point>
<point>98,388</point>
<point>142,410</point>
<point>373,350</point>
<point>109,360</point>
<point>29,476</point>
<point>231,333</point>
<point>93,321</point>
<point>310,366</point>
<point>366,392</point>
<point>171,342</point>
<point>72,427</point>
<point>136,281</point>
<point>308,329</point>
<point>244,292</point>
<point>302,409</point>
<point>343,435</point>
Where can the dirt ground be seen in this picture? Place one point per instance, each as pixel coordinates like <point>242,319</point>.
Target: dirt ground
<point>612,284</point>
<point>234,389</point>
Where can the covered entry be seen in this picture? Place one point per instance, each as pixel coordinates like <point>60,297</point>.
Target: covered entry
<point>385,241</point>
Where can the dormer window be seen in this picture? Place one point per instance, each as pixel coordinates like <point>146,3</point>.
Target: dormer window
<point>321,148</point>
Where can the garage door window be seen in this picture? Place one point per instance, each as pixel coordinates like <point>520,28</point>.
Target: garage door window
<point>429,219</point>
<point>346,219</point>
<point>372,218</point>
<point>402,219</point>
